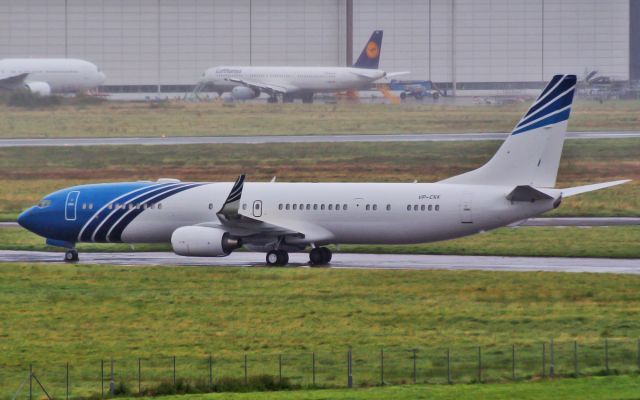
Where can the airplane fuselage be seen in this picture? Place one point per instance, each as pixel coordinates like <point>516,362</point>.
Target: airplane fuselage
<point>348,213</point>
<point>63,75</point>
<point>303,79</point>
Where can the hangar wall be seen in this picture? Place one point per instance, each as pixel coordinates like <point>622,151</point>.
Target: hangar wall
<point>472,42</point>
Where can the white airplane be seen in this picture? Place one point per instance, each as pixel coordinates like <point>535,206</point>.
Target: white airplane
<point>246,83</point>
<point>213,219</point>
<point>46,76</point>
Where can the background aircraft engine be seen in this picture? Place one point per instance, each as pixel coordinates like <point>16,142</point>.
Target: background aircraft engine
<point>41,88</point>
<point>244,93</point>
<point>201,241</point>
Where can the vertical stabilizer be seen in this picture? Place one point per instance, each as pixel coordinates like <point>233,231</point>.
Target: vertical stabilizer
<point>370,56</point>
<point>531,154</point>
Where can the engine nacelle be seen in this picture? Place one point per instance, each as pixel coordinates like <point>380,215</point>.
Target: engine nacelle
<point>202,241</point>
<point>244,93</point>
<point>41,88</point>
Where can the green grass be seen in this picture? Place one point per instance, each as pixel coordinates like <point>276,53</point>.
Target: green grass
<point>115,119</point>
<point>601,388</point>
<point>27,174</point>
<point>613,242</point>
<point>52,314</point>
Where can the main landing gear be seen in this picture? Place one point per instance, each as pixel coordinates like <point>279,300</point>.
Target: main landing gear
<point>71,255</point>
<point>277,258</point>
<point>320,256</point>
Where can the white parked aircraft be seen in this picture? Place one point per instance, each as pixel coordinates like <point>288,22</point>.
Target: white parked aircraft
<point>213,219</point>
<point>289,82</point>
<point>45,76</point>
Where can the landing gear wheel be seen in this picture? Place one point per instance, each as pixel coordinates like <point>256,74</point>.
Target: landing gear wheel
<point>272,100</point>
<point>71,255</point>
<point>277,257</point>
<point>326,255</point>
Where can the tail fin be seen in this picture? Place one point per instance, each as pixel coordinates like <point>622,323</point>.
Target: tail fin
<point>531,154</point>
<point>370,56</point>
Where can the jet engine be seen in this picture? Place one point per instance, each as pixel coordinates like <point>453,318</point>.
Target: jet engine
<point>202,241</point>
<point>244,93</point>
<point>41,88</point>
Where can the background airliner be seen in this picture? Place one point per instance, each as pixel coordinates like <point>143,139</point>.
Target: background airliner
<point>46,76</point>
<point>213,219</point>
<point>291,82</point>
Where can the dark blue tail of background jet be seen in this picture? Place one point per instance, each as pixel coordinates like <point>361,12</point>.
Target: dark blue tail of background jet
<point>370,56</point>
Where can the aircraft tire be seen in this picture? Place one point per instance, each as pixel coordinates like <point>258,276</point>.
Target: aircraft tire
<point>272,258</point>
<point>315,256</point>
<point>283,257</point>
<point>326,255</point>
<point>71,255</point>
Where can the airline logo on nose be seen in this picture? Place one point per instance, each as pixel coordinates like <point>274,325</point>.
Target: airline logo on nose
<point>372,50</point>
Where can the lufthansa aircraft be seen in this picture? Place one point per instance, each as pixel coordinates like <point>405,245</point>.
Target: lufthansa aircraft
<point>213,219</point>
<point>45,76</point>
<point>289,82</point>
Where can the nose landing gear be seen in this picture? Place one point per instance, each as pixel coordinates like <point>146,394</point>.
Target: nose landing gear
<point>71,255</point>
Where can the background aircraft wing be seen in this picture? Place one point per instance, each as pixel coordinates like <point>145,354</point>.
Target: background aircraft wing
<point>264,87</point>
<point>12,81</point>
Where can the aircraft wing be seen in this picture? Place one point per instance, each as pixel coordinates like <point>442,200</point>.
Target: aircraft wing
<point>241,223</point>
<point>12,81</point>
<point>264,87</point>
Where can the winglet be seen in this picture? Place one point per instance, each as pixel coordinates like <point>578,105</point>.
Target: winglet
<point>232,204</point>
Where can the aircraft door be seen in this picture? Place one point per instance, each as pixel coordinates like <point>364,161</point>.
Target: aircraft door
<point>466,213</point>
<point>257,208</point>
<point>71,205</point>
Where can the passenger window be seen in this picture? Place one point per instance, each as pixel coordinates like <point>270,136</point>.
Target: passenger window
<point>280,206</point>
<point>256,206</point>
<point>415,207</point>
<point>437,207</point>
<point>210,206</point>
<point>430,207</point>
<point>422,207</point>
<point>130,206</point>
<point>409,207</point>
<point>330,207</point>
<point>388,207</point>
<point>367,207</point>
<point>375,207</point>
<point>287,206</point>
<point>315,206</point>
<point>322,207</point>
<point>84,206</point>
<point>337,207</point>
<point>153,205</point>
<point>244,206</point>
<point>159,206</point>
<point>90,206</point>
<point>110,206</point>
<point>295,206</point>
<point>308,206</point>
<point>344,207</point>
<point>301,206</point>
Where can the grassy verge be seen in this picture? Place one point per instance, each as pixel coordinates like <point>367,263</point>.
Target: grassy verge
<point>26,174</point>
<point>601,388</point>
<point>184,119</point>
<point>610,242</point>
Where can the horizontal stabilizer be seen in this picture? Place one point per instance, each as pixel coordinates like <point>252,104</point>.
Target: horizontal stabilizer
<point>527,193</point>
<point>568,192</point>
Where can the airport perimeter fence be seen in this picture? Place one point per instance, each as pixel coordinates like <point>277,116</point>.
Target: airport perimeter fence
<point>325,369</point>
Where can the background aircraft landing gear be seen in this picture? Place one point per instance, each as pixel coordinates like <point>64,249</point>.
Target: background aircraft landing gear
<point>272,99</point>
<point>71,255</point>
<point>320,256</point>
<point>277,257</point>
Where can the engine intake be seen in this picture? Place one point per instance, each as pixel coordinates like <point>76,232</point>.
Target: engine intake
<point>41,88</point>
<point>202,241</point>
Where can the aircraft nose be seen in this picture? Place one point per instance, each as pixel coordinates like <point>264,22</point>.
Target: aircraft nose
<point>24,219</point>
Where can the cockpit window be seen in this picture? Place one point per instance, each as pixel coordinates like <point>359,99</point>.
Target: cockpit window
<point>44,203</point>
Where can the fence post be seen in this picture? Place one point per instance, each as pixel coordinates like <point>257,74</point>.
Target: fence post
<point>280,367</point>
<point>575,358</point>
<point>210,371</point>
<point>638,357</point>
<point>349,369</point>
<point>313,367</point>
<point>544,359</point>
<point>30,381</point>
<point>513,362</point>
<point>246,376</point>
<point>174,371</point>
<point>67,381</point>
<point>102,378</point>
<point>606,355</point>
<point>139,375</point>
<point>479,365</point>
<point>552,361</point>
<point>112,386</point>
<point>381,367</point>
<point>448,365</point>
<point>415,372</point>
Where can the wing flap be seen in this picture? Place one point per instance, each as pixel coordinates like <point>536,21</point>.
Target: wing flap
<point>264,87</point>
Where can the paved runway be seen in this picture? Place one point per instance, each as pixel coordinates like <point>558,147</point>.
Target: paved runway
<point>349,261</point>
<point>182,140</point>
<point>571,221</point>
